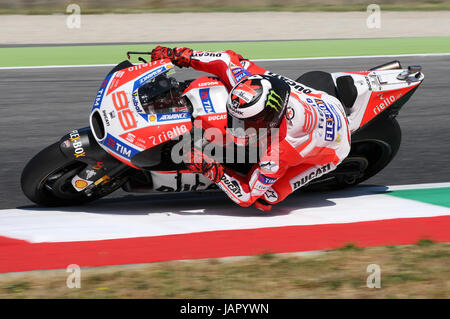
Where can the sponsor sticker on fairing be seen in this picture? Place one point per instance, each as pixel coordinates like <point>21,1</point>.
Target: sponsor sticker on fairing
<point>136,103</point>
<point>101,92</point>
<point>162,117</point>
<point>212,83</point>
<point>385,101</point>
<point>148,76</point>
<point>118,147</point>
<point>77,145</point>
<point>206,101</point>
<point>79,183</point>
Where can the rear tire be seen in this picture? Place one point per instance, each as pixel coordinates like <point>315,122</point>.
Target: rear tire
<point>377,143</point>
<point>386,134</point>
<point>46,179</point>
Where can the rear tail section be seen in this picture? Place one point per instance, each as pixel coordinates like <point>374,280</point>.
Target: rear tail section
<point>385,88</point>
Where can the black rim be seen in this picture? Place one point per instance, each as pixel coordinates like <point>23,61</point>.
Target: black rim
<point>58,183</point>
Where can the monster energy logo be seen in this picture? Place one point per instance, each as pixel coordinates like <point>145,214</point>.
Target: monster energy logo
<point>274,101</point>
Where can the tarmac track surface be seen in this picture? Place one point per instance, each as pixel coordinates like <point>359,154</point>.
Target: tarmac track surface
<point>38,106</point>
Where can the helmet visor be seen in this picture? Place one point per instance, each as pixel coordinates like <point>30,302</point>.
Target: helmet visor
<point>245,132</point>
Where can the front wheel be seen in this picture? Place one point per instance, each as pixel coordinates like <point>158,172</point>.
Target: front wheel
<point>46,180</point>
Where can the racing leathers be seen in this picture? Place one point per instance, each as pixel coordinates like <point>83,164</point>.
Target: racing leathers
<point>312,140</point>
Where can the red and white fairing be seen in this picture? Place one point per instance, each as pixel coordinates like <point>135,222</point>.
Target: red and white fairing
<point>129,130</point>
<point>208,96</point>
<point>377,91</point>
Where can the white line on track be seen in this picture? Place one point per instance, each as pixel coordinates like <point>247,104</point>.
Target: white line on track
<point>418,186</point>
<point>256,60</point>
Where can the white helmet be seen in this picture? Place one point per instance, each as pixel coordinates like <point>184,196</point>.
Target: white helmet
<point>255,105</point>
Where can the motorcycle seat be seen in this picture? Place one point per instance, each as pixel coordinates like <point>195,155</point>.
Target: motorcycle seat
<point>344,90</point>
<point>319,80</point>
<point>347,91</point>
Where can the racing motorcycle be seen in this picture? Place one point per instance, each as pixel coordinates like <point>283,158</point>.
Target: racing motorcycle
<point>141,112</point>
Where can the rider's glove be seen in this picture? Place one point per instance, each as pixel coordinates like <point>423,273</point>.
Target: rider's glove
<point>160,53</point>
<point>198,162</point>
<point>181,57</point>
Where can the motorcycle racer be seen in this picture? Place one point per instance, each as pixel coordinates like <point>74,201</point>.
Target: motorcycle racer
<point>312,136</point>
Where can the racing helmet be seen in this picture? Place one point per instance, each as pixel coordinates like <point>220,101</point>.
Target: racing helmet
<point>254,106</point>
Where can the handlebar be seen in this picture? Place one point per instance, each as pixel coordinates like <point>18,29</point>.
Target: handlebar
<point>140,53</point>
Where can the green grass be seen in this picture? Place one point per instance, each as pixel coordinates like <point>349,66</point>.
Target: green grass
<point>413,271</point>
<point>112,54</point>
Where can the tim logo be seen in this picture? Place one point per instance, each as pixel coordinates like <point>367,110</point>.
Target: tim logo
<point>120,148</point>
<point>266,180</point>
<point>111,143</point>
<point>123,150</point>
<point>206,101</point>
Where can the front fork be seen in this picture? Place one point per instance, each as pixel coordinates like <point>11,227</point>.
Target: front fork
<point>101,168</point>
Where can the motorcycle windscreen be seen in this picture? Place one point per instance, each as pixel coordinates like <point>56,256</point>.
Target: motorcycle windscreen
<point>162,95</point>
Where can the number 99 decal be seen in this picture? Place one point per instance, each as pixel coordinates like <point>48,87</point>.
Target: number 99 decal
<point>126,117</point>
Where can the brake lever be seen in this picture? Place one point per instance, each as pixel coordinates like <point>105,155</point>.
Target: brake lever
<point>140,53</point>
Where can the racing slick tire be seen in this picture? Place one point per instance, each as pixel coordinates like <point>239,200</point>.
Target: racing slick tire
<point>46,180</point>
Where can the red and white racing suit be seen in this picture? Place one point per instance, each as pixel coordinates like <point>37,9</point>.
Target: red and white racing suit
<point>314,136</point>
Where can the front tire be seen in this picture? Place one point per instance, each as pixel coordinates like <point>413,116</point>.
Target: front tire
<point>46,180</point>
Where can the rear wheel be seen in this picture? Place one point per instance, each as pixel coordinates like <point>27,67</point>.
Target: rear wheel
<point>373,148</point>
<point>46,180</point>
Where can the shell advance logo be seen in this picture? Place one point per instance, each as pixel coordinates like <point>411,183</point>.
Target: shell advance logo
<point>161,117</point>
